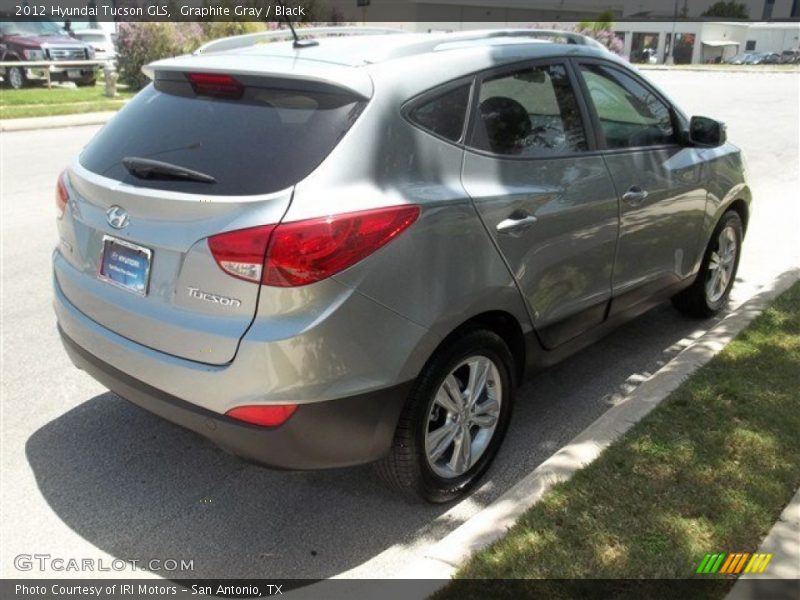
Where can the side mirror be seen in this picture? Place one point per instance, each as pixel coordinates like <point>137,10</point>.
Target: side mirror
<point>707,132</point>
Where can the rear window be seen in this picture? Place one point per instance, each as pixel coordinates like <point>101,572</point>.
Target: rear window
<point>266,141</point>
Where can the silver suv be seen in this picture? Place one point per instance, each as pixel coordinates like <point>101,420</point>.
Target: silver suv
<point>351,248</point>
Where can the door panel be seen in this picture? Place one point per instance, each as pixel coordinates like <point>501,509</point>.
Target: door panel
<point>550,207</point>
<point>563,261</point>
<point>660,233</point>
<point>659,182</point>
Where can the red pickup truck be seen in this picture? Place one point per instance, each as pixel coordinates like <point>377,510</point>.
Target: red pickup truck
<point>43,40</point>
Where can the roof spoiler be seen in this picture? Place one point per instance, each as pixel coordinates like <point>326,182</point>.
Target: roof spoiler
<point>252,39</point>
<point>306,74</point>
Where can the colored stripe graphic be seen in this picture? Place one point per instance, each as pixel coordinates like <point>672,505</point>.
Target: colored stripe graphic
<point>764,563</point>
<point>711,563</point>
<point>703,563</point>
<point>734,563</point>
<point>739,563</point>
<point>753,564</point>
<point>727,564</point>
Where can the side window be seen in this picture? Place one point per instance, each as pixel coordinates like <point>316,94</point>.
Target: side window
<point>530,113</point>
<point>444,115</point>
<point>630,115</point>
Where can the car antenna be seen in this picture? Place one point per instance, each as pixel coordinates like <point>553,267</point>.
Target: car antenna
<point>298,43</point>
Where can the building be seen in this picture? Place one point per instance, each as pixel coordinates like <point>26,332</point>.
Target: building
<point>702,41</point>
<point>651,41</point>
<point>578,10</point>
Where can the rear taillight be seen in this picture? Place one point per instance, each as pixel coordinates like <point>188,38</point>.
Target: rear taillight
<point>216,84</point>
<point>307,251</point>
<point>265,415</point>
<point>304,252</point>
<point>62,196</point>
<point>241,253</point>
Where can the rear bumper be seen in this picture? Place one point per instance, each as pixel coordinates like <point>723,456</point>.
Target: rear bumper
<point>332,433</point>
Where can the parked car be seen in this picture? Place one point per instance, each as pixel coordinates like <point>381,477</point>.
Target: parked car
<point>739,59</point>
<point>42,40</point>
<point>790,56</point>
<point>771,58</point>
<point>99,39</point>
<point>756,58</point>
<point>356,255</point>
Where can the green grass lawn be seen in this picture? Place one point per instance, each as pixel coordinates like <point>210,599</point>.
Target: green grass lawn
<point>60,100</point>
<point>709,470</point>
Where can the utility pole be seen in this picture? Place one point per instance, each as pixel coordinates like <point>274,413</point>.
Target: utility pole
<point>671,57</point>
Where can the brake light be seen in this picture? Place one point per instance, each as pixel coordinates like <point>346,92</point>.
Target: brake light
<point>265,415</point>
<point>241,253</point>
<point>303,252</point>
<point>307,251</point>
<point>216,84</point>
<point>62,196</point>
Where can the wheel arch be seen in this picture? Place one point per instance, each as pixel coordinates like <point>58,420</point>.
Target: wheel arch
<point>741,208</point>
<point>10,55</point>
<point>500,322</point>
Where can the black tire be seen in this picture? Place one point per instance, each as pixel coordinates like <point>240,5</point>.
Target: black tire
<point>86,82</point>
<point>406,467</point>
<point>15,78</point>
<point>695,300</point>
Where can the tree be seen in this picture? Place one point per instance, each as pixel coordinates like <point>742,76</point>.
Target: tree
<point>728,10</point>
<point>602,30</point>
<point>140,43</point>
<point>605,20</point>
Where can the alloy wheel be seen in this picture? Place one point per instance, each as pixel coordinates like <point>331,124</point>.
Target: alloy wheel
<point>463,417</point>
<point>721,265</point>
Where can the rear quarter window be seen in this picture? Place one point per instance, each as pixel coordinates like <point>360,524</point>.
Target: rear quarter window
<point>264,142</point>
<point>444,114</point>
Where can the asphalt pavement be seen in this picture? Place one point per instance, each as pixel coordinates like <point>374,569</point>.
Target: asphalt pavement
<point>85,475</point>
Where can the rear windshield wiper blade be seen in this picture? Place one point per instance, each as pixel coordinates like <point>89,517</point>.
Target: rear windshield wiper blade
<point>145,168</point>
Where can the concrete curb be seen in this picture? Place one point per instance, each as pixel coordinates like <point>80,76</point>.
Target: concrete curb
<point>77,120</point>
<point>783,541</point>
<point>443,557</point>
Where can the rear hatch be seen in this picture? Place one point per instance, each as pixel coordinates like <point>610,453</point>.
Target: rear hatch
<point>190,157</point>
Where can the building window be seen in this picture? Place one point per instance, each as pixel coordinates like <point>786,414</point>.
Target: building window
<point>644,47</point>
<point>684,48</point>
<point>768,6</point>
<point>750,45</point>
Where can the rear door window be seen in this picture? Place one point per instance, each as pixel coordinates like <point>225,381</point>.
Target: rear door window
<point>529,113</point>
<point>265,141</point>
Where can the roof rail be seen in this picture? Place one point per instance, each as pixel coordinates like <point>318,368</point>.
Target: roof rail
<point>570,36</point>
<point>442,40</point>
<point>251,39</point>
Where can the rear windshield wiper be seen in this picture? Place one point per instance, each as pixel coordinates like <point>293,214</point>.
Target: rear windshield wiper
<point>144,168</point>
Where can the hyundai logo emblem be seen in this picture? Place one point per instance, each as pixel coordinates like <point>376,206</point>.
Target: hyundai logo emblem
<point>117,217</point>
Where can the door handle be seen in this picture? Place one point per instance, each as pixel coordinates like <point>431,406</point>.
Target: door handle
<point>517,222</point>
<point>635,195</point>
